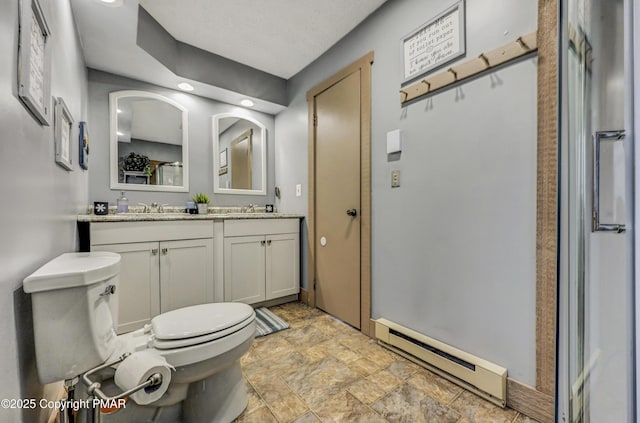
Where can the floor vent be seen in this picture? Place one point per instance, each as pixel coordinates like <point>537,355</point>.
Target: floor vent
<point>475,374</point>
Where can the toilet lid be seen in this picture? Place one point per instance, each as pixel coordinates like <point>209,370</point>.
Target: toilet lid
<point>199,320</point>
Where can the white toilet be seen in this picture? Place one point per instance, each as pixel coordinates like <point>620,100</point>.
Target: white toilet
<point>74,300</point>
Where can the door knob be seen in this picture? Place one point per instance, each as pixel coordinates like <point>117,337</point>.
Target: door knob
<point>352,212</point>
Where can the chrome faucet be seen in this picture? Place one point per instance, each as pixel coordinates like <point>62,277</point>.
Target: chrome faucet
<point>146,207</point>
<point>251,208</point>
<point>161,208</point>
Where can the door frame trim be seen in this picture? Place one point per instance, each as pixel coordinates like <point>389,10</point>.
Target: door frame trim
<point>547,229</point>
<point>363,65</point>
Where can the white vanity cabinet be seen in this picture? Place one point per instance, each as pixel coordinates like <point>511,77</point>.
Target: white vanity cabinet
<point>261,259</point>
<point>139,287</point>
<point>165,265</point>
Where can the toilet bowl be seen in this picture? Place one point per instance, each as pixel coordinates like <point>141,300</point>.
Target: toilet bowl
<point>74,300</point>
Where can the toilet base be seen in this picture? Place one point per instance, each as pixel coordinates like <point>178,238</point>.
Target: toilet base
<point>220,398</point>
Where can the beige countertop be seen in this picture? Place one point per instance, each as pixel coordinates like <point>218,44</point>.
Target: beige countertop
<point>142,217</point>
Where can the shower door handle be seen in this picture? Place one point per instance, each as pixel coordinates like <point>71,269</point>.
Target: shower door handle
<point>596,213</point>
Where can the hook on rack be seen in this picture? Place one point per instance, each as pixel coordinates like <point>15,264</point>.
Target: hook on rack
<point>522,44</point>
<point>485,59</point>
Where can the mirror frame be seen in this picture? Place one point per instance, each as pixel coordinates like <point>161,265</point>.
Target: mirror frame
<point>113,140</point>
<point>216,155</point>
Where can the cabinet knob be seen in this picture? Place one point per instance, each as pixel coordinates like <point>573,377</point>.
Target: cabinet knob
<point>268,242</point>
<point>262,242</point>
<point>164,251</point>
<point>154,251</point>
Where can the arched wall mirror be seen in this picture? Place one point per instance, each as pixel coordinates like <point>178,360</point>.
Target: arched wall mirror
<point>239,155</point>
<point>149,142</point>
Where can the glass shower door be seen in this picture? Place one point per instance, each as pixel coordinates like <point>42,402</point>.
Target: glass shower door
<point>597,304</point>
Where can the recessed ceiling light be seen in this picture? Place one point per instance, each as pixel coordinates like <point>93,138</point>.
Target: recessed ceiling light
<point>246,102</point>
<point>185,86</point>
<point>111,2</point>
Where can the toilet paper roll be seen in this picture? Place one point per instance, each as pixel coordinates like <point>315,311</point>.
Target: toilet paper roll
<point>137,369</point>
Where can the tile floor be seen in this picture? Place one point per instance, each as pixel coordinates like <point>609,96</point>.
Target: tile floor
<point>322,370</point>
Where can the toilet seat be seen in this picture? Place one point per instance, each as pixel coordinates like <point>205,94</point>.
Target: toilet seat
<point>221,327</point>
<point>198,324</point>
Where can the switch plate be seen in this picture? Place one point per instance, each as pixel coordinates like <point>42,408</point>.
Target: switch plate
<point>298,190</point>
<point>395,178</point>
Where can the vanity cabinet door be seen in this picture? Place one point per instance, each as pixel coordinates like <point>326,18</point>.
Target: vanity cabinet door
<point>244,269</point>
<point>138,288</point>
<point>282,265</point>
<point>186,273</point>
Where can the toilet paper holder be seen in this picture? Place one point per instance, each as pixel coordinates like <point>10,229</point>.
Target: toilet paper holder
<point>93,387</point>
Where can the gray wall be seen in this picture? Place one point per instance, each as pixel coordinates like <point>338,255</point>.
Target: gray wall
<point>453,252</point>
<point>200,145</point>
<point>39,198</point>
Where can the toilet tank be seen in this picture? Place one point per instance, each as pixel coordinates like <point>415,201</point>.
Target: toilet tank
<point>74,304</point>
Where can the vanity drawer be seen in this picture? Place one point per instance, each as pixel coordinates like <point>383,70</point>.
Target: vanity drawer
<point>245,227</point>
<point>122,232</point>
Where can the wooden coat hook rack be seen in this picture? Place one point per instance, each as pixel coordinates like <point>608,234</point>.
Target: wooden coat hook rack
<point>522,46</point>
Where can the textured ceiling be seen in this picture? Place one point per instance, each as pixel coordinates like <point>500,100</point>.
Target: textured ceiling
<point>280,37</point>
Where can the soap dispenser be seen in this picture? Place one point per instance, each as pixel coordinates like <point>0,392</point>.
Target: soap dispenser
<point>123,203</point>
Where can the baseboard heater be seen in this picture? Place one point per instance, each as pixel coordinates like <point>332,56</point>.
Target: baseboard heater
<point>475,374</point>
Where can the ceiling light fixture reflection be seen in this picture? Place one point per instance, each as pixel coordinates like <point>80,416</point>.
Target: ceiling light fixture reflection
<point>246,102</point>
<point>185,86</point>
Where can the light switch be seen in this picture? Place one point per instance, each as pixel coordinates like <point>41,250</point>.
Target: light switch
<point>395,178</point>
<point>298,190</point>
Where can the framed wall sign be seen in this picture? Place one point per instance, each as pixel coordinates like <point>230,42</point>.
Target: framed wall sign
<point>63,124</point>
<point>34,61</point>
<point>435,43</point>
<point>83,146</point>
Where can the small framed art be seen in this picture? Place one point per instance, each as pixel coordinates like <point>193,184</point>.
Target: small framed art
<point>83,146</point>
<point>34,61</point>
<point>223,158</point>
<point>63,125</point>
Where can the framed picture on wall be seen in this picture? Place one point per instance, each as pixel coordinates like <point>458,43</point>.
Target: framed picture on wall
<point>83,146</point>
<point>435,43</point>
<point>34,61</point>
<point>63,125</point>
